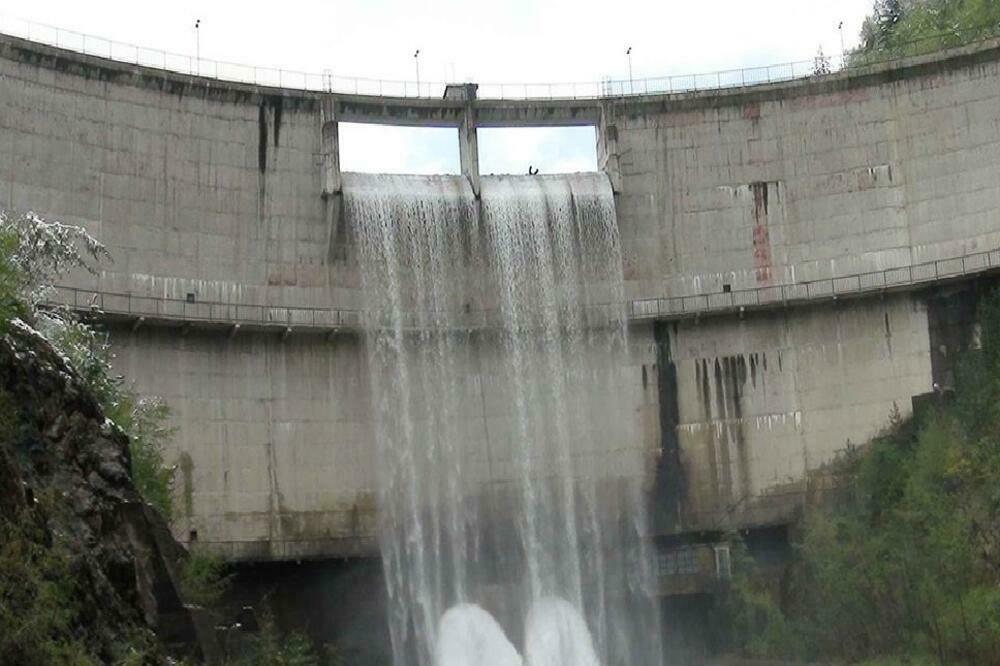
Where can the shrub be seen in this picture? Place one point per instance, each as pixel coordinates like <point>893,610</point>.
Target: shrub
<point>271,648</point>
<point>33,251</point>
<point>38,598</point>
<point>204,579</point>
<point>906,569</point>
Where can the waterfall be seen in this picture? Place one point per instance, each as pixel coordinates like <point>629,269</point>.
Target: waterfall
<point>509,466</point>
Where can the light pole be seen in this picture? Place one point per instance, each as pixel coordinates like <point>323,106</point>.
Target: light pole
<point>631,85</point>
<point>843,48</point>
<point>197,45</point>
<point>416,63</point>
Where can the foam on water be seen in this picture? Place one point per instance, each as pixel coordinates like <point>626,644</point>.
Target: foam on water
<point>557,635</point>
<point>509,469</point>
<point>469,636</point>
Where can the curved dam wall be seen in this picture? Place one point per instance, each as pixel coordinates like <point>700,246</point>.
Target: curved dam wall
<point>798,183</point>
<point>230,194</point>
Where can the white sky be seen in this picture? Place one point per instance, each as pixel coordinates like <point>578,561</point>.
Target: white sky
<point>488,42</point>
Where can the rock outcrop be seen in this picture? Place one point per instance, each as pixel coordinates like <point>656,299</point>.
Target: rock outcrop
<point>59,446</point>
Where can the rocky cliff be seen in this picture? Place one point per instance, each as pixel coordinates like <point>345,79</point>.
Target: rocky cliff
<point>64,475</point>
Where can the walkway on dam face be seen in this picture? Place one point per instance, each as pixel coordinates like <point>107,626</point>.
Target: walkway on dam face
<point>139,309</point>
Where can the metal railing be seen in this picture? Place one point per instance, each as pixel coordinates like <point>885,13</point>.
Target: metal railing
<point>329,81</point>
<point>138,307</point>
<point>784,294</point>
<point>216,312</point>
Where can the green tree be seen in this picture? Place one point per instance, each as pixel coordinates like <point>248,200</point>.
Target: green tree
<point>33,252</point>
<point>272,647</point>
<point>10,304</point>
<point>204,579</point>
<point>906,565</point>
<point>898,28</point>
<point>879,31</point>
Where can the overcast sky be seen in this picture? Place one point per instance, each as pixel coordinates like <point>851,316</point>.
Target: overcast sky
<point>490,42</point>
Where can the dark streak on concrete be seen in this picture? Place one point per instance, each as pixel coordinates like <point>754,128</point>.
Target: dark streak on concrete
<point>725,461</point>
<point>186,465</point>
<point>761,237</point>
<point>276,102</point>
<point>704,400</point>
<point>669,485</point>
<point>737,369</point>
<point>760,205</point>
<point>262,137</point>
<point>729,455</point>
<point>340,238</point>
<point>888,334</point>
<point>951,324</point>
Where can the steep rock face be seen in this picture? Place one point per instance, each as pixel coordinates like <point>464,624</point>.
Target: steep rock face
<point>60,446</point>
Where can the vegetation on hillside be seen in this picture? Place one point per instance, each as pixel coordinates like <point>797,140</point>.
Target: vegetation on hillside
<point>906,566</point>
<point>270,647</point>
<point>899,28</point>
<point>44,604</point>
<point>33,252</point>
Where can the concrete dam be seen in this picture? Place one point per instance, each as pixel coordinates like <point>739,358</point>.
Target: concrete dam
<point>797,261</point>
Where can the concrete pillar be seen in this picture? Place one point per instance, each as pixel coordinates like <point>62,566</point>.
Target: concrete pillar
<point>607,146</point>
<point>468,146</point>
<point>333,184</point>
<point>468,139</point>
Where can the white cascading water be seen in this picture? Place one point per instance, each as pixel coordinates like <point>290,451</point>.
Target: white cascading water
<point>468,635</point>
<point>509,468</point>
<point>556,634</point>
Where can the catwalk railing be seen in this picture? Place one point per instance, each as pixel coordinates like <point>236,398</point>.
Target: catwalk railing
<point>330,81</point>
<point>141,308</point>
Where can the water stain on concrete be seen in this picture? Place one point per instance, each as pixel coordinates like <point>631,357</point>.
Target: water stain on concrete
<point>186,465</point>
<point>669,487</point>
<point>761,234</point>
<point>721,385</point>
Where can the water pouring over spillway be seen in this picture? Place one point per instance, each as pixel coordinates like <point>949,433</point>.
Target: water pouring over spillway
<point>509,469</point>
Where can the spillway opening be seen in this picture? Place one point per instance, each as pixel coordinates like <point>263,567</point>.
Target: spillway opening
<point>549,150</point>
<point>400,149</point>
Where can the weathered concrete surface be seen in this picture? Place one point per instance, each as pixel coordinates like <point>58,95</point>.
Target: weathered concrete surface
<point>798,182</point>
<point>766,399</point>
<point>230,193</point>
<point>275,441</point>
<point>217,189</point>
<point>274,444</point>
